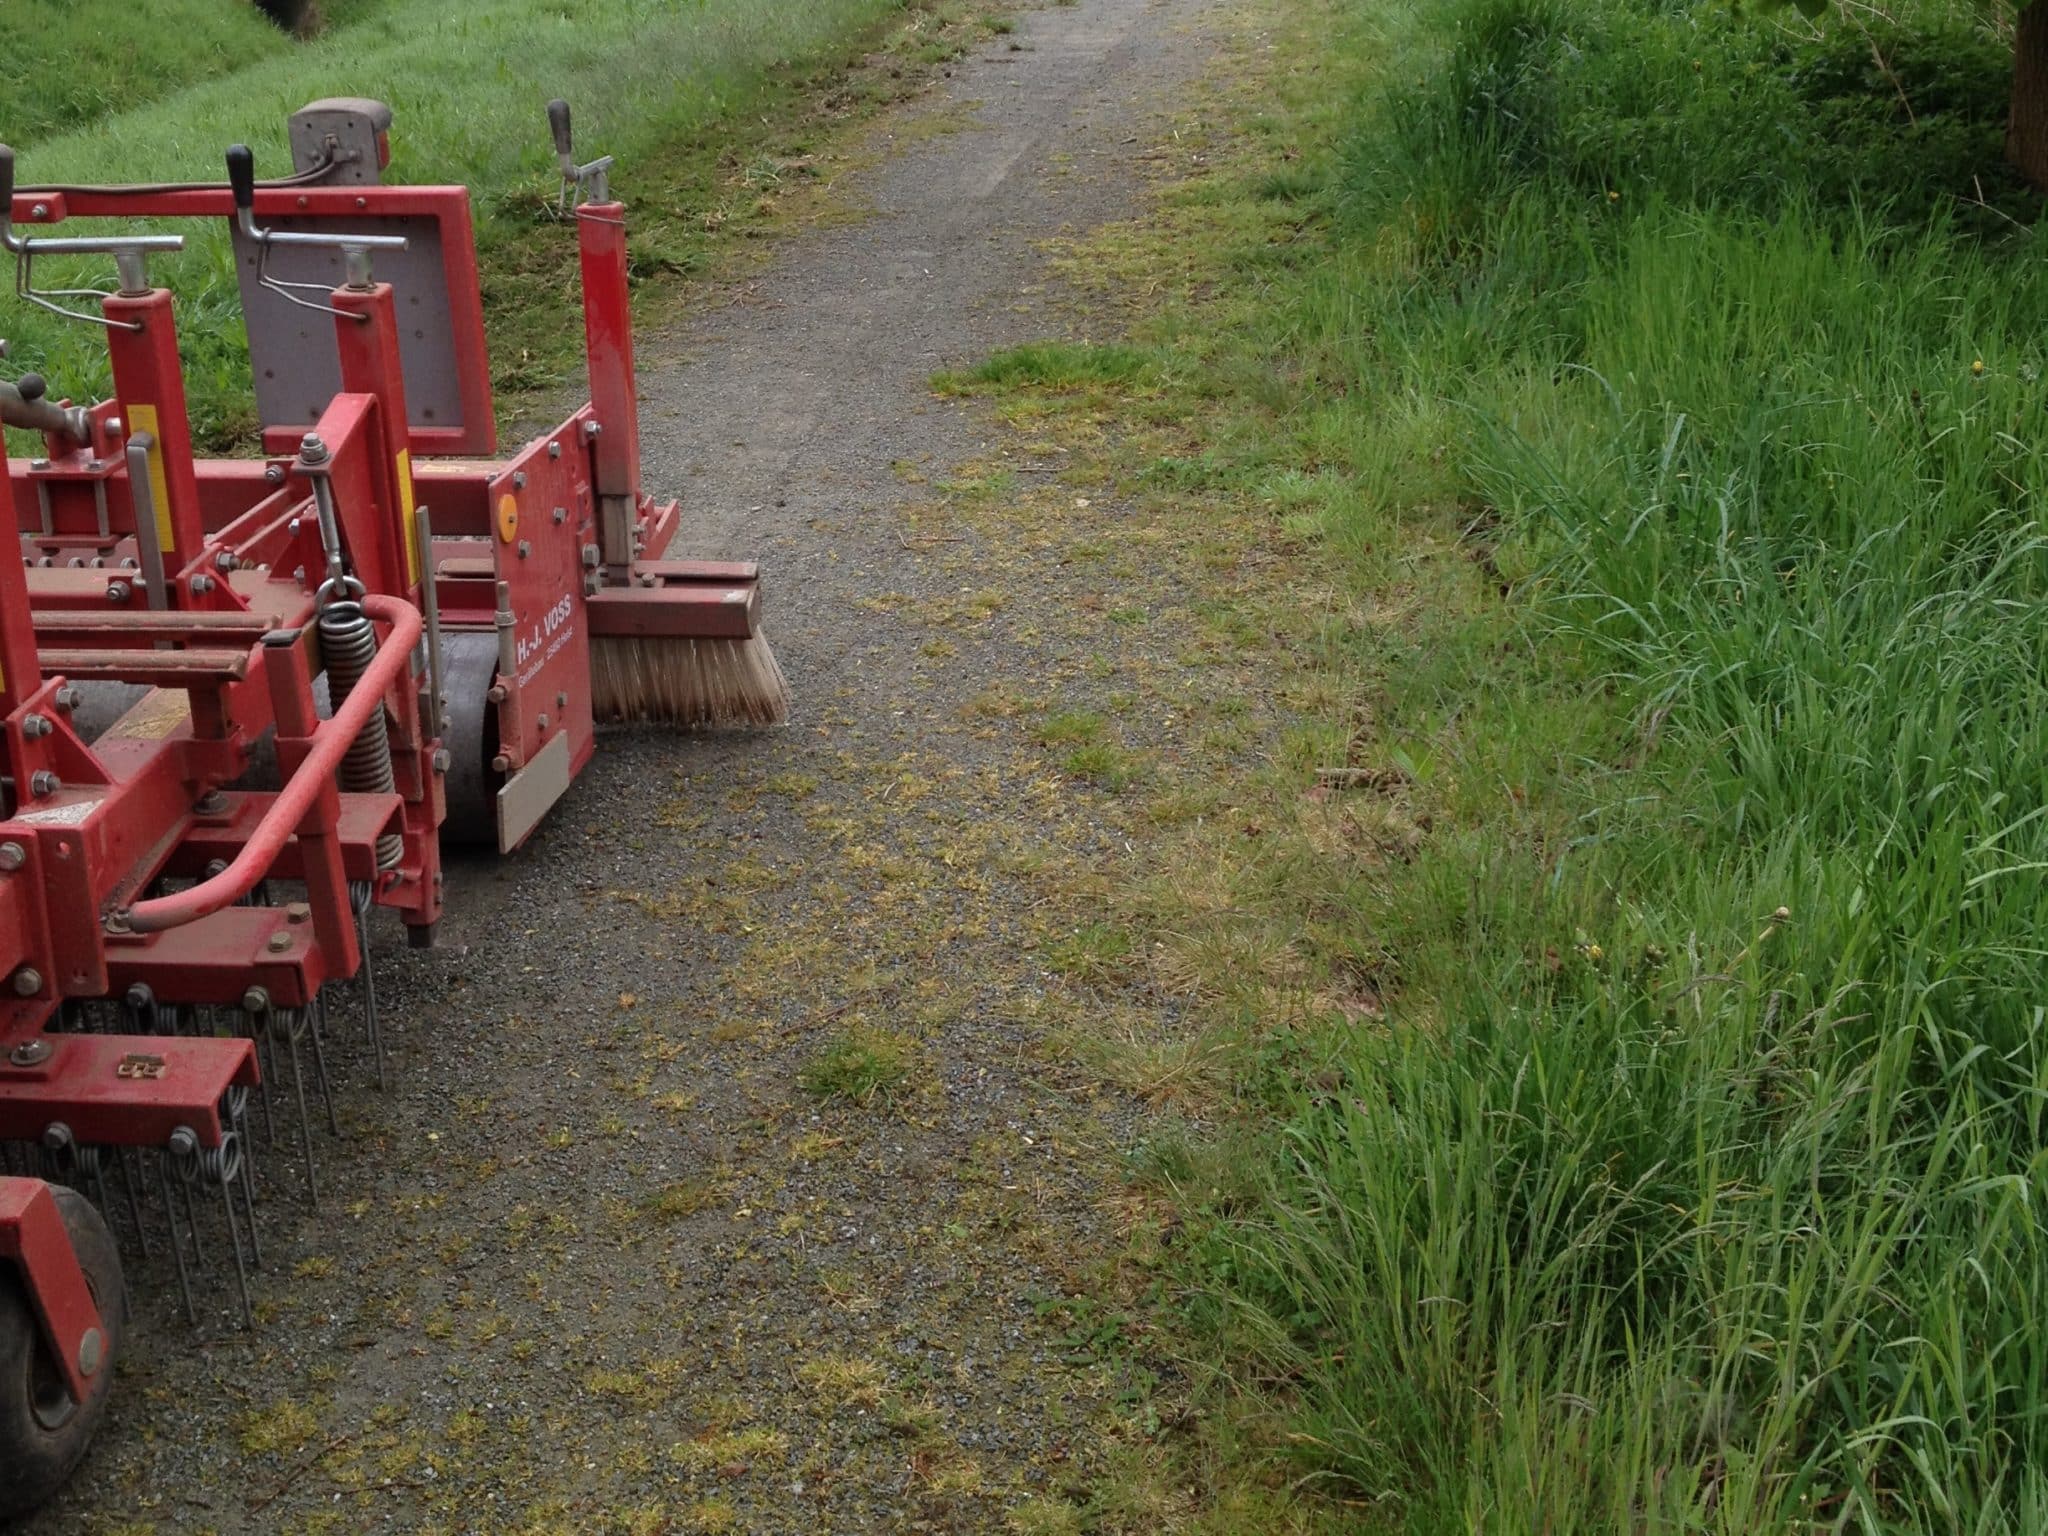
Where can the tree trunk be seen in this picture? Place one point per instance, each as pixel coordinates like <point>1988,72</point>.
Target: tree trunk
<point>2026,129</point>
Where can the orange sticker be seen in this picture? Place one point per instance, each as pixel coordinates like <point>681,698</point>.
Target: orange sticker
<point>508,517</point>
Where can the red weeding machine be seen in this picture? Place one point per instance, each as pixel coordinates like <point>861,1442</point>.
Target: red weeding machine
<point>244,701</point>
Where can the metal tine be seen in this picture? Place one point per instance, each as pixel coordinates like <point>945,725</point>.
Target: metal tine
<point>131,1176</point>
<point>315,1014</point>
<point>227,1203</point>
<point>372,1024</point>
<point>223,1164</point>
<point>235,1116</point>
<point>261,1035</point>
<point>177,1245</point>
<point>285,1025</point>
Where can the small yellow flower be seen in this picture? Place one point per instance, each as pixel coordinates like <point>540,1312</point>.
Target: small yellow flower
<point>1614,197</point>
<point>1594,952</point>
<point>1978,368</point>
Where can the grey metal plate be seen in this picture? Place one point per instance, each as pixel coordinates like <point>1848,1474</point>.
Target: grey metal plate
<point>529,792</point>
<point>292,351</point>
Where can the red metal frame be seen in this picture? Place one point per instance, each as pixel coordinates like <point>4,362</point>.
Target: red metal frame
<point>544,550</point>
<point>446,207</point>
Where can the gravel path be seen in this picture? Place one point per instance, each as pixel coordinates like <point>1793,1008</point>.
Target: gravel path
<point>735,1176</point>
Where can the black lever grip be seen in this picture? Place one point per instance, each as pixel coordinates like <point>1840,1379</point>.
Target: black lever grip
<point>242,176</point>
<point>6,183</point>
<point>558,121</point>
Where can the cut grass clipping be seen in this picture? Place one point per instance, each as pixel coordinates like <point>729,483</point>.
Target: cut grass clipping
<point>1687,1182</point>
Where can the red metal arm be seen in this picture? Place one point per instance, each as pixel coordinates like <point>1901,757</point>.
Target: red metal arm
<point>330,744</point>
<point>32,1235</point>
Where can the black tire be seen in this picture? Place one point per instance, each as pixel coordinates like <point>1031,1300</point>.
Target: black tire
<point>43,1433</point>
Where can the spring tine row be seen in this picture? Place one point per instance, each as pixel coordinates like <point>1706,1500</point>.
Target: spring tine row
<point>168,1197</point>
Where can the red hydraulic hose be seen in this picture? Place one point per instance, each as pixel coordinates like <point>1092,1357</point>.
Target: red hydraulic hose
<point>330,744</point>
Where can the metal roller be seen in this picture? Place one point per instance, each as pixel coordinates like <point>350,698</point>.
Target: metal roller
<point>470,659</point>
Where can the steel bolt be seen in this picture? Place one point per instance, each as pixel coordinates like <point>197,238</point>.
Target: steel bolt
<point>501,763</point>
<point>256,1000</point>
<point>519,480</point>
<point>39,210</point>
<point>555,449</point>
<point>92,1352</point>
<point>312,450</point>
<point>443,760</point>
<point>118,591</point>
<point>542,722</point>
<point>201,585</point>
<point>561,515</point>
<point>591,429</point>
<point>38,463</point>
<point>35,727</point>
<point>31,1053</point>
<point>525,548</point>
<point>116,427</point>
<point>273,474</point>
<point>140,997</point>
<point>212,803</point>
<point>57,1136</point>
<point>12,856</point>
<point>298,912</point>
<point>225,561</point>
<point>43,782</point>
<point>280,942</point>
<point>591,555</point>
<point>561,701</point>
<point>28,981</point>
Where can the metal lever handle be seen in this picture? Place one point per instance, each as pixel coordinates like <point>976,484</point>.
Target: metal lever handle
<point>591,180</point>
<point>242,184</point>
<point>558,123</point>
<point>73,245</point>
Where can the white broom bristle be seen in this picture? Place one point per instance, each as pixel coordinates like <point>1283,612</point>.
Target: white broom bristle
<point>712,684</point>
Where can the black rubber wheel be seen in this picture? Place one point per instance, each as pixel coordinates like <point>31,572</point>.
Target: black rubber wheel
<point>43,1433</point>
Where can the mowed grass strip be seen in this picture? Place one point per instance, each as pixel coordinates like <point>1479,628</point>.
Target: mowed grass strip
<point>682,95</point>
<point>1642,1133</point>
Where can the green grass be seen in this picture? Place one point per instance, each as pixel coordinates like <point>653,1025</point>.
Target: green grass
<point>860,1066</point>
<point>65,63</point>
<point>1689,1185</point>
<point>686,96</point>
<point>1648,1138</point>
<point>1051,365</point>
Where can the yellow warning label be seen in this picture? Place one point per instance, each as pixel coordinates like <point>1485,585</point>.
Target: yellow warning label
<point>411,517</point>
<point>142,418</point>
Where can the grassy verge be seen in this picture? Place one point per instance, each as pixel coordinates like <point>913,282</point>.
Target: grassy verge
<point>67,63</point>
<point>710,109</point>
<point>1618,428</point>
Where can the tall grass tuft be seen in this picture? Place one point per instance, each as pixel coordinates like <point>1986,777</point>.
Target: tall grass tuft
<point>1691,1182</point>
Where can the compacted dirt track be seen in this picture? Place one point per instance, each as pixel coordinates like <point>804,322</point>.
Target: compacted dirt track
<point>731,1177</point>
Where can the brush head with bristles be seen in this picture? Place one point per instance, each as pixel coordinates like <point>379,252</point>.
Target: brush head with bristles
<point>697,684</point>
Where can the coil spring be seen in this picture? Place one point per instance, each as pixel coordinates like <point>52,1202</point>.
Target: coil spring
<point>194,1164</point>
<point>348,644</point>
